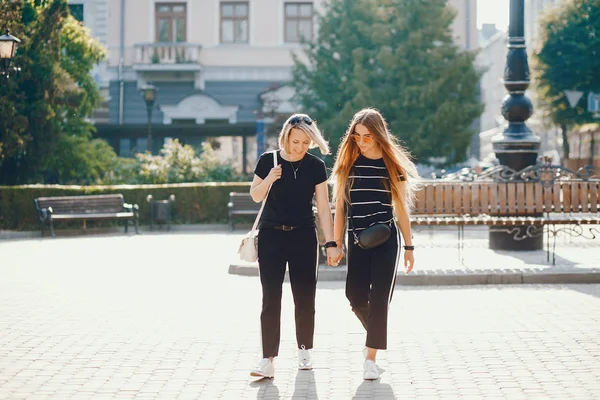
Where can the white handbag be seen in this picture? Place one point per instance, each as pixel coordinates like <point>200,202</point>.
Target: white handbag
<point>248,250</point>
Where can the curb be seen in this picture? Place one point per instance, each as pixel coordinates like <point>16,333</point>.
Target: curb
<point>452,277</point>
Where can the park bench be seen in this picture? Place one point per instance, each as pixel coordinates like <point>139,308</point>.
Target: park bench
<point>521,204</point>
<point>241,204</point>
<point>94,207</point>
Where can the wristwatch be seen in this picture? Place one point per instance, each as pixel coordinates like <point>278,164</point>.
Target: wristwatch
<point>331,244</point>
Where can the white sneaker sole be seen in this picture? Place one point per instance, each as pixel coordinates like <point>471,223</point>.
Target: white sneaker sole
<point>260,374</point>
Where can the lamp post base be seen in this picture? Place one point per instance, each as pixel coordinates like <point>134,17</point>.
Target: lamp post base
<point>516,238</point>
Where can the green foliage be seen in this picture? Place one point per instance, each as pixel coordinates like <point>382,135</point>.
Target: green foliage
<point>176,163</point>
<point>78,160</point>
<point>47,103</point>
<point>399,57</point>
<point>568,59</point>
<point>194,202</point>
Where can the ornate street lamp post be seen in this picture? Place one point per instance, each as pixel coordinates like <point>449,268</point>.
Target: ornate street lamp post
<point>8,48</point>
<point>149,93</point>
<point>517,147</point>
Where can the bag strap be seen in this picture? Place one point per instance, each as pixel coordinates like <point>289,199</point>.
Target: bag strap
<point>265,200</point>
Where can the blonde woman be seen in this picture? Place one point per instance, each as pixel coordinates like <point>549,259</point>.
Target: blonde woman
<point>374,184</point>
<point>287,234</point>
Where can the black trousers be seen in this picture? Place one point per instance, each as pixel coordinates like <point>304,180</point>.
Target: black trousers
<point>298,249</point>
<point>370,284</point>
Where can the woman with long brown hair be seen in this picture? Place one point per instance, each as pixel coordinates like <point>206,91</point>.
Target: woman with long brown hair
<point>374,184</point>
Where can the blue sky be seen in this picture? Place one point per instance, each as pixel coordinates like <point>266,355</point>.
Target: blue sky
<point>493,11</point>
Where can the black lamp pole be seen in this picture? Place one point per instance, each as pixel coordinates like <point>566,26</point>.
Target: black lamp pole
<point>149,93</point>
<point>517,147</point>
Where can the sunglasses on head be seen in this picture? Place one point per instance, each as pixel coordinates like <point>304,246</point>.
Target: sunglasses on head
<point>357,138</point>
<point>297,119</point>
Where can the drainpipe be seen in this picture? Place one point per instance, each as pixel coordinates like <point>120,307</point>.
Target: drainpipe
<point>468,15</point>
<point>121,63</point>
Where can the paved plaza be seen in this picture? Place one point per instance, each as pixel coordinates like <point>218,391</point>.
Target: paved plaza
<point>158,316</point>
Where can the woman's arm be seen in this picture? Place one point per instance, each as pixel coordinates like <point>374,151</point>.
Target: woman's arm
<point>339,223</point>
<point>403,219</point>
<point>258,189</point>
<point>404,222</point>
<point>324,210</point>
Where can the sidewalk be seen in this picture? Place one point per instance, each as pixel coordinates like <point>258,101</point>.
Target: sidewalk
<point>437,262</point>
<point>157,316</point>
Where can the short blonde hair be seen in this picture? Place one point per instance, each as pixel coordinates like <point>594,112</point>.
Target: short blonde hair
<point>308,126</point>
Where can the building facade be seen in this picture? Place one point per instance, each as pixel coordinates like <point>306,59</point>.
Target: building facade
<point>492,60</point>
<point>534,10</point>
<point>219,66</point>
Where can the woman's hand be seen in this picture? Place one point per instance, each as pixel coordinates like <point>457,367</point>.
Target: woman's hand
<point>334,256</point>
<point>274,174</point>
<point>409,261</point>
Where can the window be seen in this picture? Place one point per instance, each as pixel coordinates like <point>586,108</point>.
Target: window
<point>298,22</point>
<point>171,22</point>
<point>76,11</point>
<point>234,22</point>
<point>124,147</point>
<point>141,145</point>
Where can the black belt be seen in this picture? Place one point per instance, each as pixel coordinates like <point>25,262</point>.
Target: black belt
<point>285,227</point>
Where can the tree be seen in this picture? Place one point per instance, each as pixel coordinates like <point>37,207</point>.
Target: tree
<point>49,100</point>
<point>568,59</point>
<point>397,56</point>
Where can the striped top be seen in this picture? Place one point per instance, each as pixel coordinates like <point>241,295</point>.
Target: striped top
<point>370,200</point>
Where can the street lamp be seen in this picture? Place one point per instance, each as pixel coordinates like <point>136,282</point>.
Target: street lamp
<point>8,48</point>
<point>517,147</point>
<point>149,93</point>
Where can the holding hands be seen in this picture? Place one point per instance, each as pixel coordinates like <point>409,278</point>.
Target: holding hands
<point>334,256</point>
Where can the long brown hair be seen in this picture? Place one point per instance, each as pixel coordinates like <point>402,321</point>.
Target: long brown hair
<point>396,158</point>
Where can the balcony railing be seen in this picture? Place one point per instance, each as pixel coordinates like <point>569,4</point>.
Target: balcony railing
<point>167,53</point>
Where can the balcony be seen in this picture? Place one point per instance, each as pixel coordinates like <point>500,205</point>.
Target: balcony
<point>167,57</point>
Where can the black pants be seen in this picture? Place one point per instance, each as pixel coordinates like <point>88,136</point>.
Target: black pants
<point>370,283</point>
<point>297,248</point>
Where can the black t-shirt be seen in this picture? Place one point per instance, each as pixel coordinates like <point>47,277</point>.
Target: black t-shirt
<point>290,200</point>
<point>370,198</point>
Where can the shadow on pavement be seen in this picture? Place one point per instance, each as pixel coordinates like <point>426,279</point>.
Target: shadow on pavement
<point>267,388</point>
<point>305,387</point>
<point>374,390</point>
<point>590,290</point>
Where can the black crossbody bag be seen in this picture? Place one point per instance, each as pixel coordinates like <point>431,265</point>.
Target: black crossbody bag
<point>373,236</point>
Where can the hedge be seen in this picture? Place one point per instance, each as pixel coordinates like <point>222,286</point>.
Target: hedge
<point>194,202</point>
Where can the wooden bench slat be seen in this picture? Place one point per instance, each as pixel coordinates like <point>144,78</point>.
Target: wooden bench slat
<point>466,198</point>
<point>594,194</point>
<point>511,197</point>
<point>557,195</point>
<point>584,200</point>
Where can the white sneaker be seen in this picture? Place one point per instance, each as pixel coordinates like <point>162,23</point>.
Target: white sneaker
<point>371,370</point>
<point>304,359</point>
<point>264,369</point>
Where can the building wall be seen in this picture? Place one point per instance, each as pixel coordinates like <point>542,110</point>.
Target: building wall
<point>232,74</point>
<point>534,9</point>
<point>465,23</point>
<point>242,94</point>
<point>492,59</point>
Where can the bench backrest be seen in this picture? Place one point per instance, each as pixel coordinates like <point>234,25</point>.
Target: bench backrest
<point>108,203</point>
<point>507,198</point>
<point>243,201</point>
